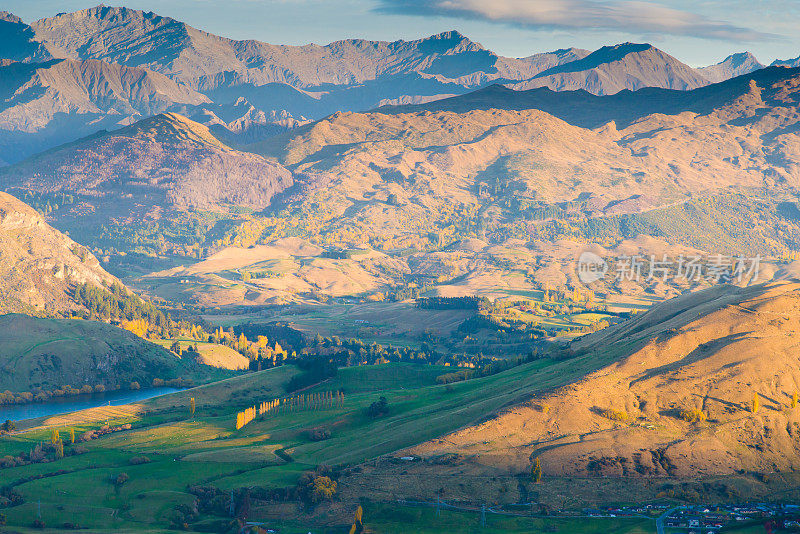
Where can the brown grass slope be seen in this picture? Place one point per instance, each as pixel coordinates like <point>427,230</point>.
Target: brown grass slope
<point>38,264</point>
<point>165,160</point>
<point>739,133</point>
<point>710,351</point>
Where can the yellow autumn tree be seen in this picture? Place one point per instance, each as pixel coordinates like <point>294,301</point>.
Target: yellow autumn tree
<point>137,327</point>
<point>536,471</point>
<point>358,525</point>
<point>242,342</point>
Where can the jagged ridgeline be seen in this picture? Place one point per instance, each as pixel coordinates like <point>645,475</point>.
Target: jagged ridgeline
<point>125,64</point>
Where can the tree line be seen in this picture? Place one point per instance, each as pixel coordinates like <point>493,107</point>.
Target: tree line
<point>296,403</point>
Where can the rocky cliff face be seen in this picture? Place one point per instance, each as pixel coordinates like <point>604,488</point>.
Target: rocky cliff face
<point>39,266</point>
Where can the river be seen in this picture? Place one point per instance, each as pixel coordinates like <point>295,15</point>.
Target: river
<point>60,405</point>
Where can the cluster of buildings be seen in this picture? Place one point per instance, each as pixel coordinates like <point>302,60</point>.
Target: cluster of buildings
<point>698,519</point>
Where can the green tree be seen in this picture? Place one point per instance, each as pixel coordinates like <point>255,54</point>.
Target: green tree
<point>120,481</point>
<point>175,347</point>
<point>8,426</point>
<point>536,471</point>
<point>59,449</point>
<point>378,408</point>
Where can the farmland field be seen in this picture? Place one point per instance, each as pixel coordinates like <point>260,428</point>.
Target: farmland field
<point>271,452</point>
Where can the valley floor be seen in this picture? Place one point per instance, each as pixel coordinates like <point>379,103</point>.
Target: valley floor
<point>168,453</point>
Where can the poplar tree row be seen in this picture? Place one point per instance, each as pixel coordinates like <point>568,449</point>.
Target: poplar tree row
<point>312,401</point>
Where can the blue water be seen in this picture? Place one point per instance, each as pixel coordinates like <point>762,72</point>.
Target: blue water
<point>81,402</point>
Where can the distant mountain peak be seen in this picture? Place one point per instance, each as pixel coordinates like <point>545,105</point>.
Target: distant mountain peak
<point>10,17</point>
<point>732,66</point>
<point>786,62</point>
<point>450,35</point>
<point>615,68</point>
<point>603,55</point>
<point>451,41</point>
<point>18,40</point>
<point>740,58</point>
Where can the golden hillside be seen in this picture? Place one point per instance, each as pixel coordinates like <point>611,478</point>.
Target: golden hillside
<point>38,264</point>
<point>710,351</point>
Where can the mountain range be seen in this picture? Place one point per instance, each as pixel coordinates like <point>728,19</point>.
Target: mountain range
<point>105,67</point>
<point>165,160</point>
<point>505,180</point>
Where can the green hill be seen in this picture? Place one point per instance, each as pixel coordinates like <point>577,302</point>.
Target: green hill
<point>52,353</point>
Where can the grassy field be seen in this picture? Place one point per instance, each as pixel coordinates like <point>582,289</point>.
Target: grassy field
<point>81,350</point>
<point>380,322</point>
<point>210,353</point>
<point>395,519</point>
<point>205,449</point>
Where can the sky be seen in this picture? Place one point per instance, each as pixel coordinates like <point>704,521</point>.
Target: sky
<point>698,32</point>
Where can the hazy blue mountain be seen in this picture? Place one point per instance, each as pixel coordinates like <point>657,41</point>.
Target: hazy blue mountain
<point>612,69</point>
<point>46,104</point>
<point>18,41</point>
<point>731,67</point>
<point>786,62</point>
<point>246,91</point>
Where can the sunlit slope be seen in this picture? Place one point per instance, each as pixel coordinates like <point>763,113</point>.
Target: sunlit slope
<point>39,266</point>
<point>161,162</point>
<point>711,351</point>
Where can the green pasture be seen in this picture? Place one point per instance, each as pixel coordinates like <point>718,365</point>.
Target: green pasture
<point>272,451</point>
<point>396,519</point>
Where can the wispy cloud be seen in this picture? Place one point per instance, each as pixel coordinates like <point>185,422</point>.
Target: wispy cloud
<point>630,16</point>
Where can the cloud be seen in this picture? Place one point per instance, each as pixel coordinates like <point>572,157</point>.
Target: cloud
<point>629,16</point>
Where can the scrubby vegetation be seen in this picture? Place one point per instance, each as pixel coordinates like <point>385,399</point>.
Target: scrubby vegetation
<point>692,415</point>
<point>614,415</point>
